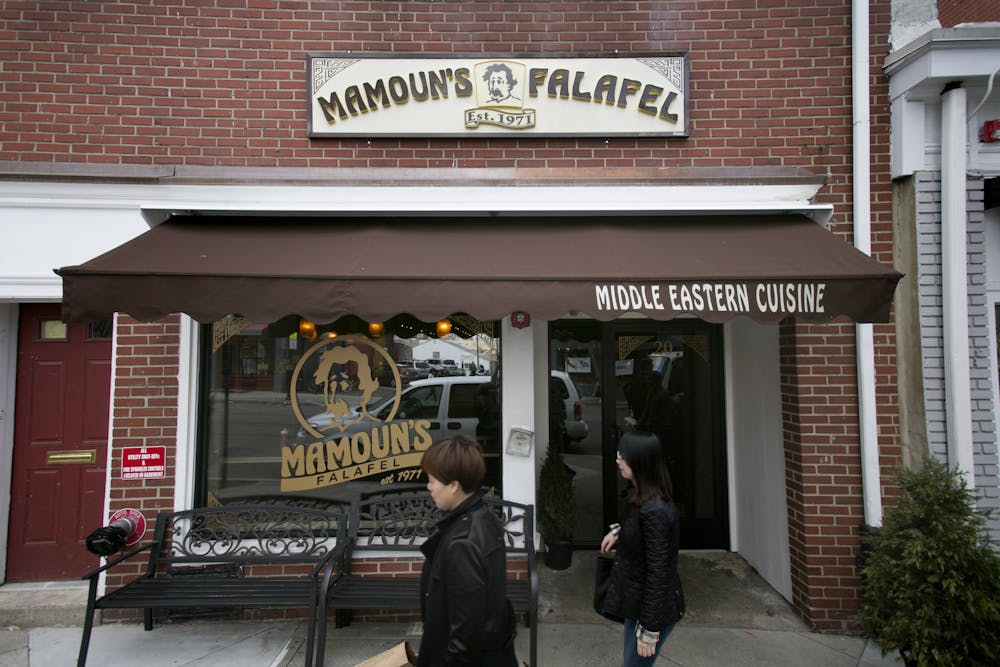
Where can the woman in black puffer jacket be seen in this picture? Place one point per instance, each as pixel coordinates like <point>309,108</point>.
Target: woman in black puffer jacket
<point>463,585</point>
<point>645,589</point>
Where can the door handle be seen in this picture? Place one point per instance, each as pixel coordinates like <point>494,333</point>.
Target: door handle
<point>454,425</point>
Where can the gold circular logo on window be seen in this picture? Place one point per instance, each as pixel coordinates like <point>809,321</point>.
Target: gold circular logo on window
<point>350,373</point>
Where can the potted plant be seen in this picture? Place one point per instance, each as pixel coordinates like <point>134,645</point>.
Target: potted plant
<point>556,507</point>
<point>930,579</point>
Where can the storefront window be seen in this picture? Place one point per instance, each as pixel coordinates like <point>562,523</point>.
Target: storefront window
<point>321,413</point>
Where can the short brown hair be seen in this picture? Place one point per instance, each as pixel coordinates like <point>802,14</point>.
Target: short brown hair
<point>456,459</point>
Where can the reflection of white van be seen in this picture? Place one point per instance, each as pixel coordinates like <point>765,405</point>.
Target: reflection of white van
<point>459,404</point>
<point>466,405</point>
<point>453,405</point>
<point>576,428</point>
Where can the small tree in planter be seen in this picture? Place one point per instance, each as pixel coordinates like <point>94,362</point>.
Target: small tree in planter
<point>556,501</point>
<point>556,508</point>
<point>930,580</point>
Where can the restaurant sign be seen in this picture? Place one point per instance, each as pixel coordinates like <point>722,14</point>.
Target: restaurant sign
<point>355,95</point>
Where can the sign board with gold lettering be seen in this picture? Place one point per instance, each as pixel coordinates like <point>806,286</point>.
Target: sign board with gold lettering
<point>354,95</point>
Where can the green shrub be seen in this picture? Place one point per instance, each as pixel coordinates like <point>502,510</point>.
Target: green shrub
<point>930,578</point>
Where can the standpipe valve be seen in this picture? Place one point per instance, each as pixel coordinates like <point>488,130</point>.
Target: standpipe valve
<point>125,528</point>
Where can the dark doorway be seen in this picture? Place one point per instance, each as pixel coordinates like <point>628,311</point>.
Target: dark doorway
<point>664,377</point>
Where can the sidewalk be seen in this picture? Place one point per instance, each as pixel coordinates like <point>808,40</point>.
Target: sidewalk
<point>281,644</point>
<point>733,618</point>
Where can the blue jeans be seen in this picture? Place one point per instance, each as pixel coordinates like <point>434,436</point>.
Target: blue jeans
<point>630,656</point>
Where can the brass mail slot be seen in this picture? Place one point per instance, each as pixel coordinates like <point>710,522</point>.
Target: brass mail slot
<point>75,456</point>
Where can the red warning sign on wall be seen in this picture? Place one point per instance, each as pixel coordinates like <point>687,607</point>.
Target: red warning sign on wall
<point>144,462</point>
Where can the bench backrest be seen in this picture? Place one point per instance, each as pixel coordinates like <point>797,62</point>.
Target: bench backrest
<point>248,534</point>
<point>401,521</point>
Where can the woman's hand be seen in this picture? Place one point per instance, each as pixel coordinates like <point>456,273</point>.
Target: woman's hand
<point>609,541</point>
<point>644,649</point>
<point>645,641</point>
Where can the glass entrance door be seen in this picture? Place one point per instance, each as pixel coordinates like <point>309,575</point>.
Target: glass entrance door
<point>667,379</point>
<point>663,377</point>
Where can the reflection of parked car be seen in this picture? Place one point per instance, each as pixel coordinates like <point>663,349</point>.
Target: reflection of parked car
<point>408,372</point>
<point>462,404</point>
<point>435,368</point>
<point>576,428</point>
<point>468,404</point>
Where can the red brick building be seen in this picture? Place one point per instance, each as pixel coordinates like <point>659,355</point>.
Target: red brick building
<point>118,117</point>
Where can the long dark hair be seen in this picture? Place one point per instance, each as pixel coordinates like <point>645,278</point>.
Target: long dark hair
<point>644,455</point>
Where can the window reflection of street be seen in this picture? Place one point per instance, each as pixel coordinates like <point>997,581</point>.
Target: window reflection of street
<point>260,423</point>
<point>578,357</point>
<point>584,456</point>
<point>248,405</point>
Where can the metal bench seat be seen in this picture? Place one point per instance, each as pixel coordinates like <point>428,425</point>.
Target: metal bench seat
<point>194,591</point>
<point>230,556</point>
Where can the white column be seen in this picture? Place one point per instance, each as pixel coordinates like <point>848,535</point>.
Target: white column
<point>187,413</point>
<point>954,279</point>
<point>518,348</point>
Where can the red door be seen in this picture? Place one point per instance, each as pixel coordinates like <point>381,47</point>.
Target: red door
<point>60,444</point>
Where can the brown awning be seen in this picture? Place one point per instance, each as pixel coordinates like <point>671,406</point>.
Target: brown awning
<point>715,267</point>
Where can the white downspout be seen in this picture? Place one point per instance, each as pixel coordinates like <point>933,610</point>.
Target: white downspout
<point>954,282</point>
<point>864,339</point>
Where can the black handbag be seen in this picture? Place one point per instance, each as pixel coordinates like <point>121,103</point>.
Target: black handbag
<point>602,581</point>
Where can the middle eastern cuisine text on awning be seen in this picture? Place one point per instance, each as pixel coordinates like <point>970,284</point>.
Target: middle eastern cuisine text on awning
<point>766,268</point>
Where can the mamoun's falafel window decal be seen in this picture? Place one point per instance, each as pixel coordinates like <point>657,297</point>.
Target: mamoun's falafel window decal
<point>372,95</point>
<point>361,432</point>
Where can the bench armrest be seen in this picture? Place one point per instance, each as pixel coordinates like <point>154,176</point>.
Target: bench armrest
<point>335,562</point>
<point>116,561</point>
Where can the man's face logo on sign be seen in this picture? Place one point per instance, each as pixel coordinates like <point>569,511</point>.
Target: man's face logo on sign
<point>500,81</point>
<point>343,368</point>
<point>502,84</point>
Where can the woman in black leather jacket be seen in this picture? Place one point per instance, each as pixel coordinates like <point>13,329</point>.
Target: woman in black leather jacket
<point>644,589</point>
<point>463,583</point>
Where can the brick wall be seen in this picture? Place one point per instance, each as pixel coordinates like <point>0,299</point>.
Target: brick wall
<point>953,12</point>
<point>176,82</point>
<point>144,414</point>
<point>186,82</point>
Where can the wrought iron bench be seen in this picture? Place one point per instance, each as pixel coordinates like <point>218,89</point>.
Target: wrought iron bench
<point>272,554</point>
<point>393,525</point>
